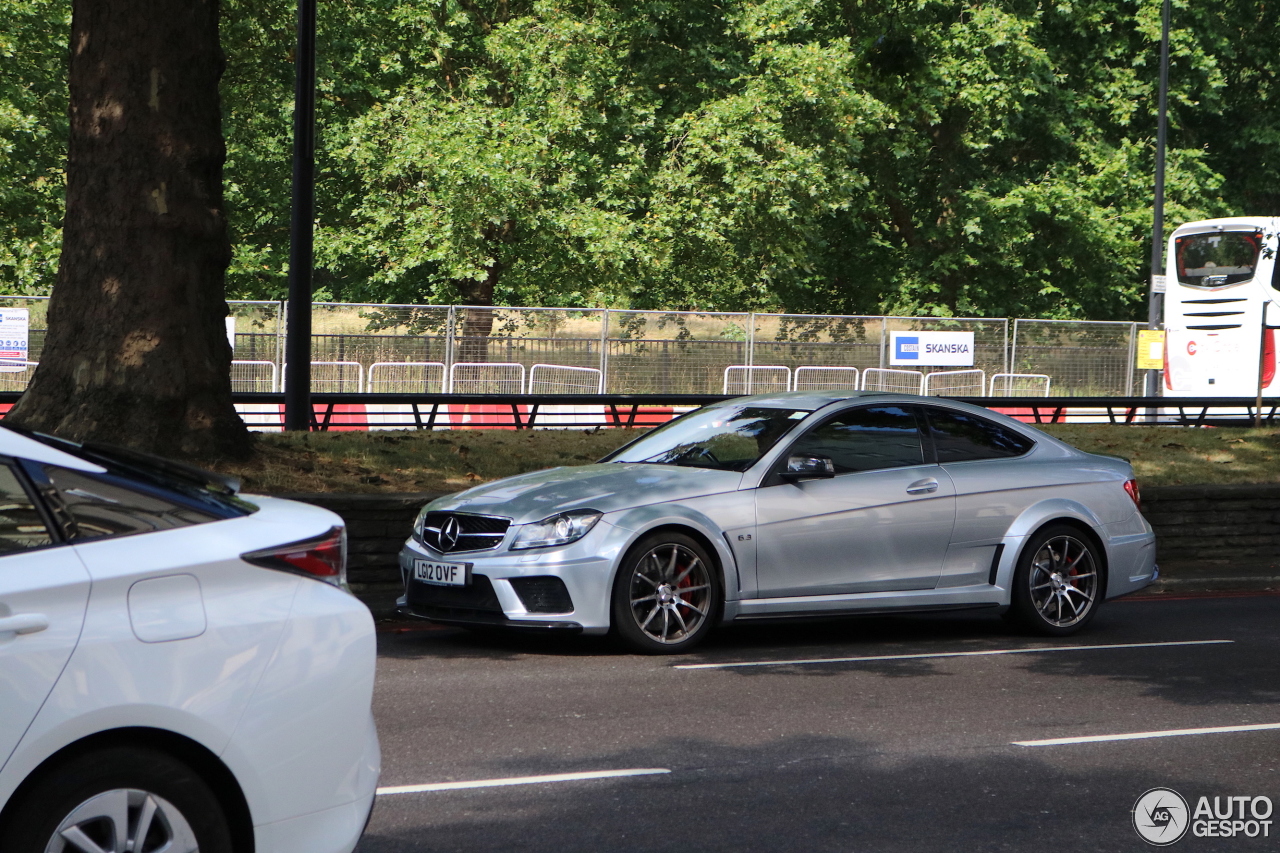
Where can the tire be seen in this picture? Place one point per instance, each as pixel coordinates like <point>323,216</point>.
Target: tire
<point>666,577</point>
<point>1058,584</point>
<point>145,785</point>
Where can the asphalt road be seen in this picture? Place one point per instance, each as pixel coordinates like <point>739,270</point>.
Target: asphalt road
<point>901,753</point>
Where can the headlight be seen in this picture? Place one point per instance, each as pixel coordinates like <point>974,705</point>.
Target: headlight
<point>419,523</point>
<point>557,530</point>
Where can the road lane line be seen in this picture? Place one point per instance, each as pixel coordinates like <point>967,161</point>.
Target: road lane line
<point>1060,741</point>
<point>521,780</point>
<point>991,652</point>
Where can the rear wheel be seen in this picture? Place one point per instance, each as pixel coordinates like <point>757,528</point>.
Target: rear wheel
<point>1057,587</point>
<point>666,597</point>
<point>119,799</point>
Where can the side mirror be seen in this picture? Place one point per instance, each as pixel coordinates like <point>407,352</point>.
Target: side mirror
<point>808,468</point>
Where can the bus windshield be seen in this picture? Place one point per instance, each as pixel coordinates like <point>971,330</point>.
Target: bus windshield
<point>1218,258</point>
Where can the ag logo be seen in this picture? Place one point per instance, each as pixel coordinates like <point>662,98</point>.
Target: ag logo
<point>1160,816</point>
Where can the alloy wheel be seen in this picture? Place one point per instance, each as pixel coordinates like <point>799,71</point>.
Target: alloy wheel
<point>1064,581</point>
<point>124,820</point>
<point>670,593</point>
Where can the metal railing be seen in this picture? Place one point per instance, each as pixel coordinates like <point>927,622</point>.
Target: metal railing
<point>664,352</point>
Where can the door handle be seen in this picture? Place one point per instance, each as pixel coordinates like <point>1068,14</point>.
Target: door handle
<point>24,623</point>
<point>923,487</point>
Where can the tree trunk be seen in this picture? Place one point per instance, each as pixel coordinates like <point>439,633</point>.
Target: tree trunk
<point>473,343</point>
<point>137,352</point>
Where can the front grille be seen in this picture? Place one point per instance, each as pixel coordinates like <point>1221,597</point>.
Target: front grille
<point>1212,328</point>
<point>431,600</point>
<point>543,594</point>
<point>472,532</point>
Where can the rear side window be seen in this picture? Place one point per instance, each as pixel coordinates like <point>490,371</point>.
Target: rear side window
<point>21,525</point>
<point>866,440</point>
<point>960,437</point>
<point>95,506</point>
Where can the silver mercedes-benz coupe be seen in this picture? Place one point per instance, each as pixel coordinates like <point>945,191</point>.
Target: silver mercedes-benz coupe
<point>808,503</point>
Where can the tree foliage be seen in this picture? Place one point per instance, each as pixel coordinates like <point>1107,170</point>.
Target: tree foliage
<point>906,156</point>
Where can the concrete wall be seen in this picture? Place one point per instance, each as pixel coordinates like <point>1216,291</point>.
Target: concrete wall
<point>1210,537</point>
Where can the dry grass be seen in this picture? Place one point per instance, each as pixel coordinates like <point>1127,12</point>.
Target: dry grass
<point>449,460</point>
<point>1166,456</point>
<point>443,461</point>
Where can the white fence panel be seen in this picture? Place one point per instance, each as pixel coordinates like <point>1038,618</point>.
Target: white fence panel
<point>814,378</point>
<point>564,379</point>
<point>471,377</point>
<point>14,375</point>
<point>955,383</point>
<point>888,379</point>
<point>258,376</point>
<point>1020,385</point>
<point>756,379</point>
<point>406,377</point>
<point>333,377</point>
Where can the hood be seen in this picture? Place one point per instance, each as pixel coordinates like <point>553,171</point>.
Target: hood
<point>604,486</point>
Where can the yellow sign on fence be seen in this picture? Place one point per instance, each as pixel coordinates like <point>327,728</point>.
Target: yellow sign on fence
<point>1150,350</point>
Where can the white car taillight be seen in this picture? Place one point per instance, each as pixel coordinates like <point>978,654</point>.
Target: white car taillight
<point>323,558</point>
<point>1131,488</point>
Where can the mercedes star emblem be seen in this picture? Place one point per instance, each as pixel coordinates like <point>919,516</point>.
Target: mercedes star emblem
<point>449,534</point>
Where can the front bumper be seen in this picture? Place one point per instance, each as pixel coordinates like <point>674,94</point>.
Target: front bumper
<point>585,568</point>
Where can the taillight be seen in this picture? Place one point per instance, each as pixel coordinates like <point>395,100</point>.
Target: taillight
<point>323,558</point>
<point>1268,356</point>
<point>1131,488</point>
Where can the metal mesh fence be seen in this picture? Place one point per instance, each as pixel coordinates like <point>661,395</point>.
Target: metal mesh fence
<point>673,352</point>
<point>412,348</point>
<point>406,377</point>
<point>756,379</point>
<point>1019,385</point>
<point>559,379</point>
<point>955,383</point>
<point>890,379</point>
<point>486,378</point>
<point>255,376</point>
<point>825,379</point>
<point>807,341</point>
<point>1084,358</point>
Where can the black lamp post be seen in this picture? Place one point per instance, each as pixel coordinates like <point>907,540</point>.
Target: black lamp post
<point>1155,304</point>
<point>297,344</point>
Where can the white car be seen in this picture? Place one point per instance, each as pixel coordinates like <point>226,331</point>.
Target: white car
<point>181,668</point>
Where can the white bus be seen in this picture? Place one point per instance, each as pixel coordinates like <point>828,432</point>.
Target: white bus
<point>1220,273</point>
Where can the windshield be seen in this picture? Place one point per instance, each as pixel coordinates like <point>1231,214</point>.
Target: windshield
<point>726,438</point>
<point>1218,257</point>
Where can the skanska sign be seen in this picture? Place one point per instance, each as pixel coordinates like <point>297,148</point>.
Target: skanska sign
<point>931,349</point>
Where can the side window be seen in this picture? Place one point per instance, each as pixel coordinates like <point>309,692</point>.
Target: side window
<point>866,439</point>
<point>960,436</point>
<point>21,526</point>
<point>98,507</point>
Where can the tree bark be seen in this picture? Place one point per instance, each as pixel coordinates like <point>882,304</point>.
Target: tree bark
<point>137,352</point>
<point>473,342</point>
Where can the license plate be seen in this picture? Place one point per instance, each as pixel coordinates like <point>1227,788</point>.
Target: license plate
<point>441,574</point>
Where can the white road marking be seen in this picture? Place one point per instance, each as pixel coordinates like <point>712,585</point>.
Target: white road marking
<point>991,652</point>
<point>520,780</point>
<point>1143,735</point>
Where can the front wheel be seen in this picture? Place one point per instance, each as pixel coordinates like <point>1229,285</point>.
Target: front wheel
<point>120,798</point>
<point>666,597</point>
<point>1057,586</point>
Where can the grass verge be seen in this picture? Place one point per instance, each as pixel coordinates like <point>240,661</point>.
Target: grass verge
<point>449,460</point>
